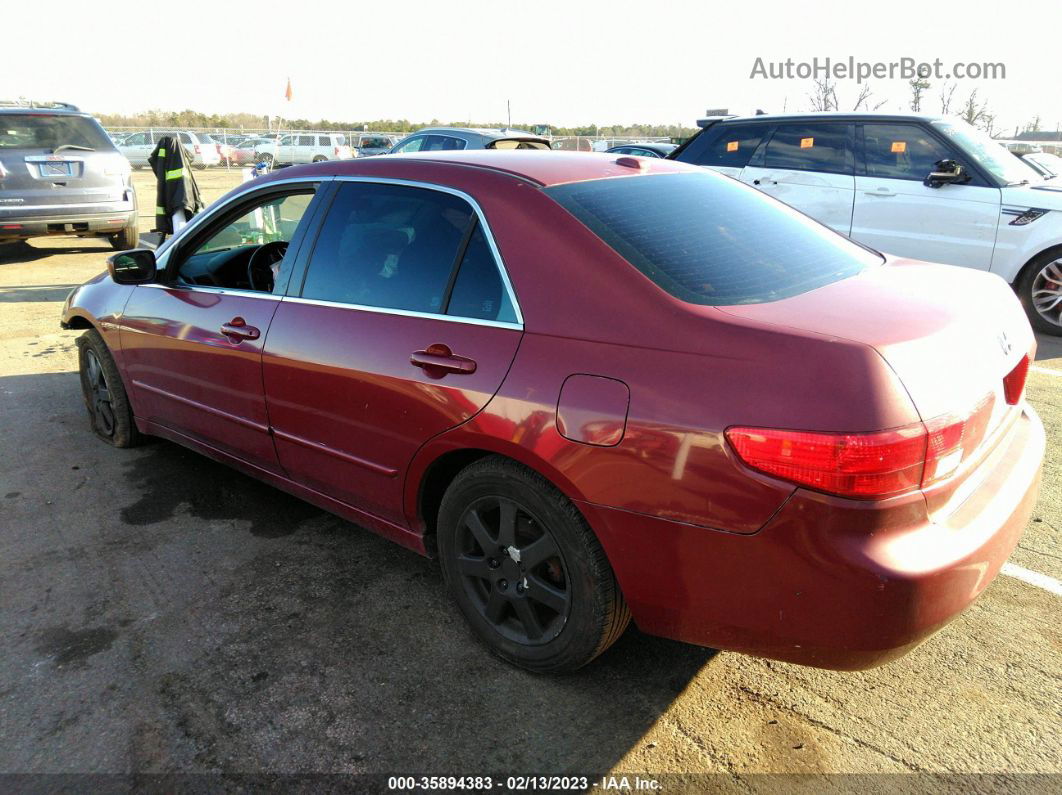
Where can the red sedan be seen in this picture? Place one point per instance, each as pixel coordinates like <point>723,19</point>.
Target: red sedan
<point>597,388</point>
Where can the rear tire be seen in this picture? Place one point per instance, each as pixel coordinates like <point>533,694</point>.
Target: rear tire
<point>110,413</point>
<point>128,238</point>
<point>526,570</point>
<point>1040,286</point>
<point>319,158</point>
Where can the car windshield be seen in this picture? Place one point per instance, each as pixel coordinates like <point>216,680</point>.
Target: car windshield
<point>989,153</point>
<point>50,131</point>
<point>707,239</point>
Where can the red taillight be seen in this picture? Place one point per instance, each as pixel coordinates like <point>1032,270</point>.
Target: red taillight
<point>336,150</point>
<point>1014,382</point>
<point>865,465</point>
<point>197,149</point>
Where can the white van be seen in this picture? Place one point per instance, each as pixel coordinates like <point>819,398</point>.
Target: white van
<point>925,187</point>
<point>298,148</point>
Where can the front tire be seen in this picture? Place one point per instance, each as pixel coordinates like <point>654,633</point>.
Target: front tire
<point>526,570</point>
<point>110,414</point>
<point>1040,292</point>
<point>128,238</point>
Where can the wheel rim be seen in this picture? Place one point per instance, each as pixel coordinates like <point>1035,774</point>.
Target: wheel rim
<point>99,395</point>
<point>1047,292</point>
<point>512,570</point>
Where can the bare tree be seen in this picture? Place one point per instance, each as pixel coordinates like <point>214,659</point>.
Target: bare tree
<point>824,95</point>
<point>1034,125</point>
<point>947,93</point>
<point>919,86</point>
<point>978,114</point>
<point>864,101</point>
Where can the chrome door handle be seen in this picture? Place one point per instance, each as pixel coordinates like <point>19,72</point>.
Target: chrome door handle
<point>440,358</point>
<point>237,329</point>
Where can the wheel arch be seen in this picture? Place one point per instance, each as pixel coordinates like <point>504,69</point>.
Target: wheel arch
<point>1053,249</point>
<point>433,470</point>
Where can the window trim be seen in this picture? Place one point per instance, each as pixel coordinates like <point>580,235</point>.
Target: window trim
<point>481,222</point>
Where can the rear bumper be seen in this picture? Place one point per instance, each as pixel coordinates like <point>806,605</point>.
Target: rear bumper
<point>67,222</point>
<point>828,582</point>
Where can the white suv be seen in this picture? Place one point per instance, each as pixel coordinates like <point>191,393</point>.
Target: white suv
<point>298,148</point>
<point>924,187</point>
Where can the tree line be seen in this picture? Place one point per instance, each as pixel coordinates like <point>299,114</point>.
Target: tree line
<point>253,121</point>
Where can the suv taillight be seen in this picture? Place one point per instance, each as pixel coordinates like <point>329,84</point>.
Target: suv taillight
<point>1014,382</point>
<point>197,149</point>
<point>865,465</point>
<point>336,151</point>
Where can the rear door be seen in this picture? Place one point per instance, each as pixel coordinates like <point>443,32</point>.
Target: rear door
<point>402,327</point>
<point>810,166</point>
<point>897,213</point>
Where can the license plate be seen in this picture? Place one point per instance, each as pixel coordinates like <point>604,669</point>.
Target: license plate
<point>52,169</point>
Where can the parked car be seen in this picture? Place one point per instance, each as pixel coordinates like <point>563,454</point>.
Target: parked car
<point>925,187</point>
<point>643,149</point>
<point>1046,163</point>
<point>596,388</point>
<point>369,145</point>
<point>432,139</point>
<point>299,148</point>
<point>61,175</point>
<point>201,149</point>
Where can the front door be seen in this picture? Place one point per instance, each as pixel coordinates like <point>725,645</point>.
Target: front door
<point>193,343</point>
<point>809,166</point>
<point>402,328</point>
<point>897,213</point>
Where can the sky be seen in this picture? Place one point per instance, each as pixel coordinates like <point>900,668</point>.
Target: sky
<point>562,63</point>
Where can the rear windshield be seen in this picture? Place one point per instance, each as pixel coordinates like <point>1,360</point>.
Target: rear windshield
<point>708,239</point>
<point>45,131</point>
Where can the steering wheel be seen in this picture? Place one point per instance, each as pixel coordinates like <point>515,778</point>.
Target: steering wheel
<point>260,265</point>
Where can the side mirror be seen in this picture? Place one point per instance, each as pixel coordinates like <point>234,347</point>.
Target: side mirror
<point>132,267</point>
<point>948,172</point>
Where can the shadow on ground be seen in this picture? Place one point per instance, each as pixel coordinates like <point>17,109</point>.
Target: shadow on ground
<point>201,620</point>
<point>32,293</point>
<point>24,251</point>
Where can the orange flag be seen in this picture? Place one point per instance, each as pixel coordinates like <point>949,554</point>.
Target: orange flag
<point>287,92</point>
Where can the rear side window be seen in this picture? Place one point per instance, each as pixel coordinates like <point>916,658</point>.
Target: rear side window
<point>706,239</point>
<point>324,140</point>
<point>478,291</point>
<point>732,148</point>
<point>388,246</point>
<point>305,140</point>
<point>809,147</point>
<point>437,143</point>
<point>901,151</point>
<point>44,131</point>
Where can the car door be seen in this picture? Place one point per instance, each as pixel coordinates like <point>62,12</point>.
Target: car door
<point>897,213</point>
<point>809,166</point>
<point>137,148</point>
<point>404,326</point>
<point>192,343</point>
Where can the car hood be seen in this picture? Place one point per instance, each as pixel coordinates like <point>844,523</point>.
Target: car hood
<point>950,334</point>
<point>1045,195</point>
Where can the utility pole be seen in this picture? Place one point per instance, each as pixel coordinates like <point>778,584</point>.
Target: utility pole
<point>509,110</point>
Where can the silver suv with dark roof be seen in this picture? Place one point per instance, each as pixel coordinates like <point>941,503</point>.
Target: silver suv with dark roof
<point>60,174</point>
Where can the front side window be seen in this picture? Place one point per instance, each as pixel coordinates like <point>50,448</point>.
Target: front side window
<point>709,240</point>
<point>901,151</point>
<point>413,144</point>
<point>809,147</point>
<point>245,252</point>
<point>388,246</point>
<point>733,148</point>
<point>140,139</point>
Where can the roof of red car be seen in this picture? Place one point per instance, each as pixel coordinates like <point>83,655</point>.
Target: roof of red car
<point>545,168</point>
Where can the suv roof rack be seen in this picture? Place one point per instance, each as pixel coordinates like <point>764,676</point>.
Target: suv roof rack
<point>31,103</point>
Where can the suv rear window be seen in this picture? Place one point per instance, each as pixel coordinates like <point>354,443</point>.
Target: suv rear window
<point>47,131</point>
<point>707,239</point>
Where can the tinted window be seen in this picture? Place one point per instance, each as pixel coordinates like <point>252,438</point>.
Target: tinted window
<point>437,143</point>
<point>901,151</point>
<point>710,240</point>
<point>732,148</point>
<point>323,140</point>
<point>48,132</point>
<point>478,291</point>
<point>305,140</point>
<point>809,147</point>
<point>186,138</point>
<point>388,246</point>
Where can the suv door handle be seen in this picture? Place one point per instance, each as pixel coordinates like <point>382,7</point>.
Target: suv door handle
<point>765,181</point>
<point>439,357</point>
<point>237,329</point>
<point>885,192</point>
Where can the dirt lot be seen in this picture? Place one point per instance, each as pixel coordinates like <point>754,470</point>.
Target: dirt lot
<point>162,613</point>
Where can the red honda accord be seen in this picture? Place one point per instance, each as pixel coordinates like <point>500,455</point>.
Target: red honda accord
<point>597,388</point>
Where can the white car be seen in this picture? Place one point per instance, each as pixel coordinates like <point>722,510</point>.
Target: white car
<point>298,148</point>
<point>201,149</point>
<point>923,187</point>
